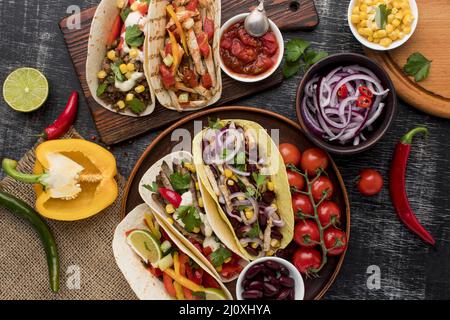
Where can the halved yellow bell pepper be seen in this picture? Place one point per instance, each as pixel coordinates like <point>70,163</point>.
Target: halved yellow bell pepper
<point>180,30</point>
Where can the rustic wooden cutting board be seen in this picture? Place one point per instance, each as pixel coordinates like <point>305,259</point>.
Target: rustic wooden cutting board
<point>431,38</point>
<point>114,128</point>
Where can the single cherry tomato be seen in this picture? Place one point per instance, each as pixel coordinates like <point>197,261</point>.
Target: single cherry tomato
<point>329,212</point>
<point>173,197</point>
<point>364,102</point>
<point>290,153</point>
<point>306,233</point>
<point>229,270</point>
<point>335,241</point>
<point>296,180</point>
<point>366,92</point>
<point>168,284</point>
<point>314,159</point>
<point>342,92</point>
<point>321,186</point>
<point>307,260</point>
<point>301,204</point>
<point>370,182</point>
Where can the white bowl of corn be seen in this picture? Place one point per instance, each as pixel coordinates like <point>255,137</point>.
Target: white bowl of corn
<point>382,24</point>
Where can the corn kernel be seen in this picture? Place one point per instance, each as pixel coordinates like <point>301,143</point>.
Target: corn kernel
<point>363,15</point>
<point>375,40</point>
<point>219,268</point>
<point>111,55</point>
<point>189,166</point>
<point>270,186</point>
<point>123,68</point>
<point>129,97</point>
<point>361,31</point>
<point>390,18</point>
<point>128,75</point>
<point>241,198</point>
<point>389,28</point>
<point>405,4</point>
<point>401,35</point>
<point>399,15</point>
<point>130,67</point>
<point>139,89</point>
<point>275,243</point>
<point>355,10</point>
<point>273,205</point>
<point>200,202</point>
<point>406,29</point>
<point>169,220</point>
<point>368,32</point>
<point>355,18</point>
<point>379,34</point>
<point>227,260</point>
<point>385,42</point>
<point>120,3</point>
<point>249,214</point>
<point>396,4</point>
<point>196,230</point>
<point>396,22</point>
<point>270,253</point>
<point>134,53</point>
<point>363,8</point>
<point>228,173</point>
<point>120,104</point>
<point>370,39</point>
<point>254,245</point>
<point>197,186</point>
<point>362,24</point>
<point>394,11</point>
<point>407,19</point>
<point>134,6</point>
<point>230,182</point>
<point>393,35</point>
<point>101,74</point>
<point>170,209</point>
<point>244,244</point>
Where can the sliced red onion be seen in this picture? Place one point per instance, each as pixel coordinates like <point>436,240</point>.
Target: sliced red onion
<point>253,203</point>
<point>238,172</point>
<point>276,220</point>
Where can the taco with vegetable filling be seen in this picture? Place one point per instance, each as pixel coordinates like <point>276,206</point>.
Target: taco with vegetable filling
<point>157,265</point>
<point>184,53</point>
<point>116,67</point>
<point>241,168</point>
<point>171,188</point>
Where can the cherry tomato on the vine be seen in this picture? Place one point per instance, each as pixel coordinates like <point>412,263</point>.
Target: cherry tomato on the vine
<point>329,212</point>
<point>370,182</point>
<point>321,186</point>
<point>290,153</point>
<point>314,159</point>
<point>335,241</point>
<point>295,179</point>
<point>301,203</point>
<point>306,233</point>
<point>306,260</point>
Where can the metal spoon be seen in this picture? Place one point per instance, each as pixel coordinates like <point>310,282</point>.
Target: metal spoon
<point>257,23</point>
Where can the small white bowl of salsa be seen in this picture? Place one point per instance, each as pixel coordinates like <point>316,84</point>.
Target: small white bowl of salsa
<point>246,58</point>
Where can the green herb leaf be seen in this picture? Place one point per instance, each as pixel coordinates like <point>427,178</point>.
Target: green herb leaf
<point>295,49</point>
<point>136,105</point>
<point>219,256</point>
<point>180,182</point>
<point>311,57</point>
<point>254,231</point>
<point>418,66</point>
<point>251,192</point>
<point>153,187</point>
<point>124,14</point>
<point>199,294</point>
<point>101,88</point>
<point>381,15</point>
<point>259,179</point>
<point>134,36</point>
<point>290,69</point>
<point>119,76</point>
<point>214,123</point>
<point>190,217</point>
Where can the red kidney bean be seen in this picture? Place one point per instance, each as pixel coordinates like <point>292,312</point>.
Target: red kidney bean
<point>272,265</point>
<point>275,234</point>
<point>245,283</point>
<point>284,293</point>
<point>251,251</point>
<point>270,290</point>
<point>274,281</point>
<point>286,281</point>
<point>284,271</point>
<point>255,285</point>
<point>252,294</point>
<point>268,197</point>
<point>253,271</point>
<point>291,295</point>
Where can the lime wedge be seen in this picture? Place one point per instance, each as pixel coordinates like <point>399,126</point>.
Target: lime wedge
<point>145,245</point>
<point>25,89</point>
<point>214,294</point>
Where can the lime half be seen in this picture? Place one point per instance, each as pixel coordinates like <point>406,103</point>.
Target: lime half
<point>145,245</point>
<point>25,89</point>
<point>214,294</point>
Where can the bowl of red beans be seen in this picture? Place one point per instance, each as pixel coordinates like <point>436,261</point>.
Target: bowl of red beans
<point>270,278</point>
<point>246,58</point>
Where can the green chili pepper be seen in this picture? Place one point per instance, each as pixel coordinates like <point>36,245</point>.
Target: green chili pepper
<point>24,211</point>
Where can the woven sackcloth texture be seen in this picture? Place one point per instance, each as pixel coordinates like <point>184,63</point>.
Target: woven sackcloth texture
<point>84,249</point>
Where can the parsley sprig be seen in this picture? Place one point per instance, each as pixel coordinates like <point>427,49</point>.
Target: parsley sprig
<point>300,56</point>
<point>417,66</point>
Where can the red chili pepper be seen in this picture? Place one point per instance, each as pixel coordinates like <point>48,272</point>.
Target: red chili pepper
<point>65,119</point>
<point>397,186</point>
<point>366,92</point>
<point>173,197</point>
<point>364,102</point>
<point>342,92</point>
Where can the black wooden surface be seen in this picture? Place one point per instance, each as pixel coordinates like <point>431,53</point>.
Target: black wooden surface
<point>409,269</point>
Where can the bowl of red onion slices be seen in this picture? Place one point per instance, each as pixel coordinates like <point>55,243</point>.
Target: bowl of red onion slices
<point>346,103</point>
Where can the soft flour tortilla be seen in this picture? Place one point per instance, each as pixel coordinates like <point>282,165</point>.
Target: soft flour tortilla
<point>278,176</point>
<point>157,29</point>
<point>101,26</point>
<point>144,284</point>
<point>219,227</point>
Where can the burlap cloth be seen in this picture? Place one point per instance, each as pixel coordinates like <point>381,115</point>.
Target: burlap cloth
<point>83,245</point>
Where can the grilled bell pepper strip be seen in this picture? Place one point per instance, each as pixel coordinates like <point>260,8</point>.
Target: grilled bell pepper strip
<point>180,30</point>
<point>23,210</point>
<point>397,186</point>
<point>65,120</point>
<point>175,53</point>
<point>185,282</point>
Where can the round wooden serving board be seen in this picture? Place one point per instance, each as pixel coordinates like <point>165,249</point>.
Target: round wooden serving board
<point>431,39</point>
<point>289,131</point>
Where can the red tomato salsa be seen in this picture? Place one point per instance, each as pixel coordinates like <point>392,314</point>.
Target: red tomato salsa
<point>247,55</point>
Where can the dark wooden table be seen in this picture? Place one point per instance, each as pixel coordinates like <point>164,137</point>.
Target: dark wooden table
<point>409,269</point>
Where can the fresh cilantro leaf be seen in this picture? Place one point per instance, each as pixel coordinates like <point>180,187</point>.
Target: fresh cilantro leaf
<point>290,69</point>
<point>418,66</point>
<point>102,88</point>
<point>381,15</point>
<point>134,36</point>
<point>295,49</point>
<point>117,73</point>
<point>240,158</point>
<point>136,105</point>
<point>180,182</point>
<point>124,14</point>
<point>251,192</point>
<point>190,217</point>
<point>254,231</point>
<point>219,256</point>
<point>199,294</point>
<point>153,187</point>
<point>259,179</point>
<point>311,57</point>
<point>214,123</point>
